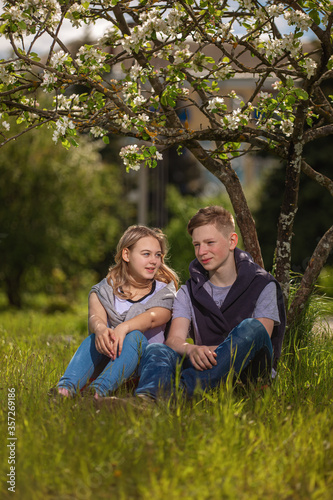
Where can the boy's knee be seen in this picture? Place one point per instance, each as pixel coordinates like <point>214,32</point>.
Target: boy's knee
<point>253,332</point>
<point>159,351</point>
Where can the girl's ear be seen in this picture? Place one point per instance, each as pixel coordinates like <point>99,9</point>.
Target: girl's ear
<point>125,254</point>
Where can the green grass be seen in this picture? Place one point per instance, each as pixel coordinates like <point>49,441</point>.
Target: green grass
<point>273,443</point>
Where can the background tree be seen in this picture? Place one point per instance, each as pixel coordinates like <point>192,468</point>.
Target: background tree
<point>59,215</point>
<point>160,60</point>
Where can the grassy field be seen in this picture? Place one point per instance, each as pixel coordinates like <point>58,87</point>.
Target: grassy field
<point>232,443</point>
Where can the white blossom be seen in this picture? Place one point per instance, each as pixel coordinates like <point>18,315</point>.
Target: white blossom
<point>215,103</point>
<point>77,8</point>
<point>300,19</point>
<point>264,95</point>
<point>135,70</point>
<point>287,127</point>
<point>49,79</point>
<point>6,125</point>
<point>138,100</point>
<point>5,77</point>
<point>143,117</point>
<point>129,154</point>
<point>248,4</point>
<point>223,72</point>
<point>61,127</point>
<point>275,10</point>
<point>310,66</point>
<point>98,132</point>
<point>174,18</point>
<point>234,120</point>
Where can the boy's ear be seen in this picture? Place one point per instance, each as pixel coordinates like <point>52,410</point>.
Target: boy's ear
<point>125,254</point>
<point>233,240</point>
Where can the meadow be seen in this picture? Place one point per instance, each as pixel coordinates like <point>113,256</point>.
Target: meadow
<point>236,442</point>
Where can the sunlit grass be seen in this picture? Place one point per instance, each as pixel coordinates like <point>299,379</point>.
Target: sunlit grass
<point>232,443</point>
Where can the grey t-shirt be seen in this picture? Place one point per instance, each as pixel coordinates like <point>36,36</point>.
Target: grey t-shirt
<point>266,306</point>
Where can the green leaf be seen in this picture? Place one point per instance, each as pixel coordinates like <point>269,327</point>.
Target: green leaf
<point>315,16</point>
<point>3,27</point>
<point>73,142</point>
<point>106,140</point>
<point>302,94</point>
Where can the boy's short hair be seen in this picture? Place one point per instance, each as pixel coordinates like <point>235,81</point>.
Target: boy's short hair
<point>216,215</point>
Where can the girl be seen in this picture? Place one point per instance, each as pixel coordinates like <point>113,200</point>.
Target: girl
<point>136,297</point>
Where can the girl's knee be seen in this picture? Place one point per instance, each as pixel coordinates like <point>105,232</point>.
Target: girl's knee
<point>136,340</point>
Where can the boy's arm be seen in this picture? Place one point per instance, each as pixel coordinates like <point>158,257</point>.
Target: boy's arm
<point>268,324</point>
<point>202,357</point>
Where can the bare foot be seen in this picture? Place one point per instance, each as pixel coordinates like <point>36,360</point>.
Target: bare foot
<point>63,392</point>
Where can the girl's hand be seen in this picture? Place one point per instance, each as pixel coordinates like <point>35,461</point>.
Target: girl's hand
<point>103,341</point>
<point>118,336</point>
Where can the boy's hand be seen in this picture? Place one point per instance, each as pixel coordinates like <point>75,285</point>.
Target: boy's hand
<point>202,357</point>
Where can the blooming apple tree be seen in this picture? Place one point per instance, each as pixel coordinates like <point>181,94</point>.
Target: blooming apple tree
<point>158,61</point>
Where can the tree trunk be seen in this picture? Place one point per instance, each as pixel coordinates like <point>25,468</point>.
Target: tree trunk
<point>289,205</point>
<point>13,289</point>
<point>224,172</point>
<point>315,265</point>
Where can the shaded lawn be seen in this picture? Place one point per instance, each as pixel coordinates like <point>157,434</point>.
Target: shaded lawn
<point>253,443</point>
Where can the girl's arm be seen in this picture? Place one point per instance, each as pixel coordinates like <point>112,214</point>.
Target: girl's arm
<point>97,322</point>
<point>156,316</point>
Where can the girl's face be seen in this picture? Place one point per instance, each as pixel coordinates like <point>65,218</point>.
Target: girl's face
<point>144,258</point>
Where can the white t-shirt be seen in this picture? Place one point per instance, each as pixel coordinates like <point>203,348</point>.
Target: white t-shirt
<point>122,305</point>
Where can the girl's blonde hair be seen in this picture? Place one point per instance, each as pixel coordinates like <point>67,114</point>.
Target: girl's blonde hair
<point>118,276</point>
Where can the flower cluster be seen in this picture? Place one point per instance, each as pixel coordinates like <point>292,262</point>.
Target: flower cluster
<point>133,156</point>
<point>216,104</point>
<point>98,132</point>
<point>235,119</point>
<point>274,48</point>
<point>151,23</point>
<point>5,77</point>
<point>61,127</point>
<point>65,103</point>
<point>49,79</point>
<point>300,19</point>
<point>309,66</point>
<point>91,57</point>
<point>24,14</point>
<point>74,13</point>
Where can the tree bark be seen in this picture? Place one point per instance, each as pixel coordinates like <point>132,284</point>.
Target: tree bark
<point>228,177</point>
<point>13,290</point>
<point>289,204</point>
<point>315,265</point>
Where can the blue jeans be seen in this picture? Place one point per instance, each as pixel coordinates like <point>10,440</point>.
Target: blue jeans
<point>247,349</point>
<point>87,363</point>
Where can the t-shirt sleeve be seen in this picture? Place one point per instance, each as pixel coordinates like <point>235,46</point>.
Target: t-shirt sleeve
<point>182,304</point>
<point>266,306</point>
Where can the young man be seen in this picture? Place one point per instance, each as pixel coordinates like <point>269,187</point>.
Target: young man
<point>232,308</point>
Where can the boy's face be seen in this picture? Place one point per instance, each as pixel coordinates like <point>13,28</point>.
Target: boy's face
<point>214,249</point>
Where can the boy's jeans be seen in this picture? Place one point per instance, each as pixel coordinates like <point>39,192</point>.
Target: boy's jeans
<point>248,346</point>
<point>87,363</point>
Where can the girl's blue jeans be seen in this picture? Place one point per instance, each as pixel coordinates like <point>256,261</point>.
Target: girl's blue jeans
<point>88,362</point>
<point>247,350</point>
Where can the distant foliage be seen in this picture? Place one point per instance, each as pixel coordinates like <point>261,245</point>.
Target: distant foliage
<point>59,214</point>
